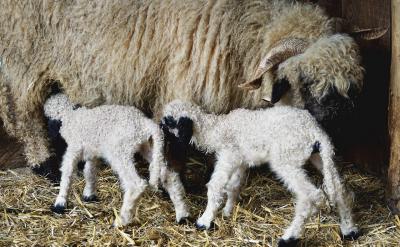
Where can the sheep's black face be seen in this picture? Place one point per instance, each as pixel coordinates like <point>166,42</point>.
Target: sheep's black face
<point>330,110</point>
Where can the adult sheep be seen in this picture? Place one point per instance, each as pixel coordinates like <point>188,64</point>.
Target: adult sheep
<point>147,53</point>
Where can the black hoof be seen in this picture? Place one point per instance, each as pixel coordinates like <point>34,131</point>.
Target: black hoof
<point>200,227</point>
<point>291,242</point>
<point>58,209</point>
<point>353,235</point>
<point>203,227</point>
<point>92,198</point>
<point>185,221</point>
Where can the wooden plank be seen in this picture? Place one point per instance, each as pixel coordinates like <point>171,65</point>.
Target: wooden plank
<point>332,7</point>
<point>393,186</point>
<point>365,140</point>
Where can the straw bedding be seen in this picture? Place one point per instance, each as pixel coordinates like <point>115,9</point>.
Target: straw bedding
<point>264,210</point>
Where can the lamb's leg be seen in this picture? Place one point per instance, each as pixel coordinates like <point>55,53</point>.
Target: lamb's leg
<point>233,190</point>
<point>90,174</point>
<point>342,199</point>
<point>308,199</point>
<point>224,168</point>
<point>69,163</point>
<point>133,186</point>
<point>176,191</point>
<point>173,184</point>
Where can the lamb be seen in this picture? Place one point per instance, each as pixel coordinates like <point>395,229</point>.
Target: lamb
<point>113,133</point>
<point>283,136</point>
<point>149,52</point>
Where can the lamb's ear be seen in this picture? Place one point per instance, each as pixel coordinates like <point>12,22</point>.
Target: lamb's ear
<point>168,121</point>
<point>185,129</point>
<point>279,89</point>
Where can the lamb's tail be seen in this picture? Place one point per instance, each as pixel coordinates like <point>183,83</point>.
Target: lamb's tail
<point>158,165</point>
<point>6,110</point>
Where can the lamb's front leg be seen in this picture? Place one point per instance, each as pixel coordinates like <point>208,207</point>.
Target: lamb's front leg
<point>233,189</point>
<point>90,174</point>
<point>224,167</point>
<point>70,161</point>
<point>172,183</point>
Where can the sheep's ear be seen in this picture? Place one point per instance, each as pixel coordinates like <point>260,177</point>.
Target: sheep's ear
<point>280,52</point>
<point>255,82</point>
<point>278,90</point>
<point>185,129</point>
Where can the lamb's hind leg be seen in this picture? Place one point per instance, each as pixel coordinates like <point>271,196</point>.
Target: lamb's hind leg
<point>233,189</point>
<point>340,198</point>
<point>308,199</point>
<point>133,186</point>
<point>90,174</point>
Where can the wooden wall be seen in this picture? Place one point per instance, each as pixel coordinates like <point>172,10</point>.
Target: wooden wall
<point>393,185</point>
<point>364,140</point>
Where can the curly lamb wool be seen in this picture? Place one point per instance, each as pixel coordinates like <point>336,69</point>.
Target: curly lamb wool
<point>147,53</point>
<point>282,136</point>
<point>114,133</point>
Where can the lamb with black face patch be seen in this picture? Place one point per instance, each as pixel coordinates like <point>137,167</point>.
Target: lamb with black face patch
<point>282,136</point>
<point>114,133</point>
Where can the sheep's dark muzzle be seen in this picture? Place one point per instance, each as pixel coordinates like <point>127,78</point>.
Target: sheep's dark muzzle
<point>332,110</point>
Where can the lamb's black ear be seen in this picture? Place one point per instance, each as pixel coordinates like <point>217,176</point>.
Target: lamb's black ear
<point>169,122</point>
<point>185,129</point>
<point>279,89</point>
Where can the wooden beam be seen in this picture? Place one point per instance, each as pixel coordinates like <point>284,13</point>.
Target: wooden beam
<point>393,186</point>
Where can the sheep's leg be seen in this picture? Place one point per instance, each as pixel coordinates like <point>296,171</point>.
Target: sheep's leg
<point>133,186</point>
<point>176,191</point>
<point>341,199</point>
<point>69,163</point>
<point>224,168</point>
<point>308,199</point>
<point>90,174</point>
<point>233,190</point>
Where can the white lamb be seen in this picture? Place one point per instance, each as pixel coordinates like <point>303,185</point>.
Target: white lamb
<point>114,133</point>
<point>284,137</point>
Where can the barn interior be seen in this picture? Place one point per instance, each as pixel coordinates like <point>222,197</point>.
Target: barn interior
<point>368,159</point>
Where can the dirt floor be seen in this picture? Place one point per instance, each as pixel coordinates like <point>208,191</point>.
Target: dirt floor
<point>265,209</point>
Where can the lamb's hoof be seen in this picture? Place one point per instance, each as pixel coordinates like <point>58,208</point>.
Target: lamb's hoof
<point>203,227</point>
<point>91,198</point>
<point>353,235</point>
<point>185,221</point>
<point>58,209</point>
<point>291,242</point>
